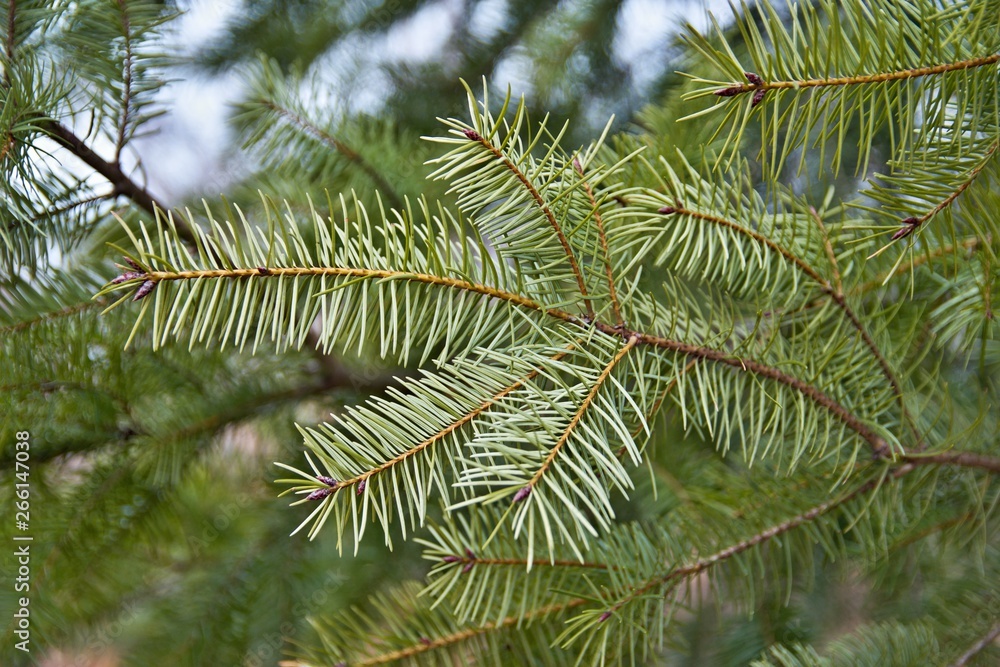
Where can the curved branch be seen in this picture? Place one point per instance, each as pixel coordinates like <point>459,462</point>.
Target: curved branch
<point>878,444</point>
<point>581,411</point>
<point>536,195</point>
<point>603,239</point>
<point>349,153</point>
<point>978,647</point>
<point>835,294</point>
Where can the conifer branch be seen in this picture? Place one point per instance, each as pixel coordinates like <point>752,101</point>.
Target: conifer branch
<point>427,644</point>
<point>545,208</point>
<point>304,124</point>
<point>602,237</point>
<point>756,83</point>
<point>978,647</point>
<point>472,414</point>
<point>912,223</point>
<point>123,185</point>
<point>55,315</point>
<point>809,391</point>
<point>961,459</point>
<point>126,81</point>
<point>738,548</point>
<point>969,244</point>
<point>836,295</point>
<point>576,418</point>
<point>470,560</point>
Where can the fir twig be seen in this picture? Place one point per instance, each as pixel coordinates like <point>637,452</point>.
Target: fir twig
<point>602,237</point>
<point>978,647</point>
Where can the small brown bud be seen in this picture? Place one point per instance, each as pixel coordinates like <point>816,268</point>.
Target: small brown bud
<point>522,494</point>
<point>758,97</point>
<point>361,486</point>
<point>425,641</point>
<point>329,481</point>
<point>125,277</point>
<point>473,135</point>
<point>668,210</point>
<point>450,559</point>
<point>144,290</point>
<point>754,78</point>
<point>605,616</point>
<point>468,567</point>
<point>263,270</point>
<point>320,494</point>
<point>135,265</point>
<point>729,92</point>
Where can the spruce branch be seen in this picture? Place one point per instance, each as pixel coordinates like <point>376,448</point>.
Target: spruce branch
<point>473,135</point>
<point>126,104</point>
<point>756,83</point>
<point>602,236</point>
<point>303,124</point>
<point>978,647</point>
<point>584,406</point>
<point>618,600</point>
<point>953,458</point>
<point>912,223</point>
<point>745,364</point>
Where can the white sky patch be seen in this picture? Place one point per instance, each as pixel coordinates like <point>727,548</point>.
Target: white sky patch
<point>421,37</point>
<point>191,151</point>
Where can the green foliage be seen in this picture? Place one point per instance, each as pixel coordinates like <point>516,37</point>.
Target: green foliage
<point>647,391</point>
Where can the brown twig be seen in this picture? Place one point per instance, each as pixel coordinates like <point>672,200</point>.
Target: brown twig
<point>549,215</point>
<point>898,75</point>
<point>835,294</point>
<point>348,152</point>
<point>599,222</point>
<point>978,647</point>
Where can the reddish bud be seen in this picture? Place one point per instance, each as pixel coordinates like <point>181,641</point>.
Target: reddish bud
<point>912,221</point>
<point>425,641</point>
<point>144,289</point>
<point>522,494</point>
<point>729,92</point>
<point>473,135</point>
<point>125,277</point>
<point>902,232</point>
<point>361,486</point>
<point>605,616</point>
<point>135,265</point>
<point>468,566</point>
<point>263,270</point>
<point>471,554</point>
<point>329,481</point>
<point>667,210</point>
<point>320,494</point>
<point>758,97</point>
<point>450,559</point>
<point>753,78</point>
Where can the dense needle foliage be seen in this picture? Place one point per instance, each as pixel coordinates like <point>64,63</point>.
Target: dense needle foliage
<point>720,389</point>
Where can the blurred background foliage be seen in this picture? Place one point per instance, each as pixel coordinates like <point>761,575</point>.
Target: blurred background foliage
<point>159,539</point>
